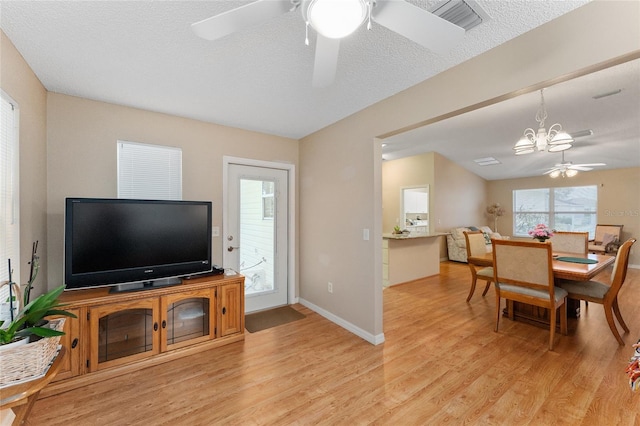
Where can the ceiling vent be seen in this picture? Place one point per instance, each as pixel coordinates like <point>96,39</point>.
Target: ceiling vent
<point>463,13</point>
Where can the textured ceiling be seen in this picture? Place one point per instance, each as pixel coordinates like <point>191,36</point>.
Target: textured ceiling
<point>143,54</point>
<point>492,131</point>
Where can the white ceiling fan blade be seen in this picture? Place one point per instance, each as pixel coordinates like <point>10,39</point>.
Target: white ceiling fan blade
<point>591,164</point>
<point>238,19</point>
<point>551,171</point>
<point>581,168</point>
<point>326,61</point>
<point>417,24</point>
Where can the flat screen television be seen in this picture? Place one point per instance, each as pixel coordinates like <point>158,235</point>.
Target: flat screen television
<point>135,244</point>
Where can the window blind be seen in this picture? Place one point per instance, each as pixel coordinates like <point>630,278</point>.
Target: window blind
<point>9,202</point>
<point>152,172</point>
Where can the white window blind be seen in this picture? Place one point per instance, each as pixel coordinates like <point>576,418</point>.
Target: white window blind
<point>9,202</point>
<point>151,172</point>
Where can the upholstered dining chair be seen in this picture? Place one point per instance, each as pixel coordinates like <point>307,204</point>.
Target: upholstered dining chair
<point>523,272</point>
<point>476,246</point>
<point>606,295</point>
<point>570,242</point>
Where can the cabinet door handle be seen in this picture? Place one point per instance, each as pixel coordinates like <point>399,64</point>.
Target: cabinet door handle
<point>74,343</point>
<point>155,326</point>
<point>224,310</point>
<point>164,324</point>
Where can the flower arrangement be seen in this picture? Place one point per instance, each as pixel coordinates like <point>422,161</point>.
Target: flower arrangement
<point>541,232</point>
<point>495,210</point>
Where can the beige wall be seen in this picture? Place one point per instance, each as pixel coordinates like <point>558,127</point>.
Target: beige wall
<point>618,199</point>
<point>82,137</point>
<point>19,82</point>
<point>397,174</point>
<point>340,166</point>
<point>460,197</point>
<point>457,197</point>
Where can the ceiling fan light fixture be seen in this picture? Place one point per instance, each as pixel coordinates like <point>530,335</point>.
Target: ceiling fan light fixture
<point>571,172</point>
<point>336,18</point>
<point>554,174</point>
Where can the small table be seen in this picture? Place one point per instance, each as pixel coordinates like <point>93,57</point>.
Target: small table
<point>561,270</point>
<point>21,397</point>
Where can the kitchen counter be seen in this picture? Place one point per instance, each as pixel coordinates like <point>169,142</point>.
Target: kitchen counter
<point>410,258</point>
<point>412,236</point>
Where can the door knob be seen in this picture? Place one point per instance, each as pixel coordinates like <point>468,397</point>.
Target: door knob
<point>231,248</point>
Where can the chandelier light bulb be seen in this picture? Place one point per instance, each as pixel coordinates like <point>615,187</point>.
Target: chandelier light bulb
<point>336,18</point>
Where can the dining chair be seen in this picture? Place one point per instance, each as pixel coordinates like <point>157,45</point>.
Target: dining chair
<point>570,242</point>
<point>606,295</point>
<point>523,273</point>
<point>476,246</point>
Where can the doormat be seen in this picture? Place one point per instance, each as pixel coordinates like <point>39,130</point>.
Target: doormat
<point>271,318</point>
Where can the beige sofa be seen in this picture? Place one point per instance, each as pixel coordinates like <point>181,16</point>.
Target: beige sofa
<point>456,244</point>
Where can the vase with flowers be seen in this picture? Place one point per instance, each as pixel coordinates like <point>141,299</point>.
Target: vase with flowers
<point>541,232</point>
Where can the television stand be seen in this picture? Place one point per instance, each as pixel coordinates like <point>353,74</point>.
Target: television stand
<point>145,285</point>
<point>119,333</point>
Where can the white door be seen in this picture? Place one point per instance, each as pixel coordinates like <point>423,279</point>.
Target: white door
<point>255,241</point>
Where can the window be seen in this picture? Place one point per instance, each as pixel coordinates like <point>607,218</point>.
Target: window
<point>9,202</point>
<point>268,205</point>
<point>563,209</point>
<point>150,172</point>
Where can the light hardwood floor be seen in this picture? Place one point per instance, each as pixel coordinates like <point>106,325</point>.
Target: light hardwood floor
<point>441,363</point>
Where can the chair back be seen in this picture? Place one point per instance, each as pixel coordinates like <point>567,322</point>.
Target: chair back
<point>570,242</point>
<point>475,242</point>
<point>524,264</point>
<point>614,230</point>
<point>619,273</point>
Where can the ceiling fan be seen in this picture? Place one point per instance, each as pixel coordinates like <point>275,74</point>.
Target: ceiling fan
<point>568,169</point>
<point>336,19</point>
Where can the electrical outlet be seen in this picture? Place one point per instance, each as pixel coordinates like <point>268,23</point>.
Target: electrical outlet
<point>330,287</point>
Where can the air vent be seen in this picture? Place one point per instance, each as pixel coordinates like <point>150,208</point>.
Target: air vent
<point>463,13</point>
<point>486,161</point>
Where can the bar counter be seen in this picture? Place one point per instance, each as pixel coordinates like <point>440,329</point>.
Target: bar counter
<point>410,257</point>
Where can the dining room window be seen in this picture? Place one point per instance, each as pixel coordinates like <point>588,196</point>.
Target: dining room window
<point>572,208</point>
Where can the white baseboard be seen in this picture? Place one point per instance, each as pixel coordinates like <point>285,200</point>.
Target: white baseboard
<point>634,266</point>
<point>373,339</point>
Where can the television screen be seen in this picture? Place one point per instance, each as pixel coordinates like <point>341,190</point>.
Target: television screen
<point>118,241</point>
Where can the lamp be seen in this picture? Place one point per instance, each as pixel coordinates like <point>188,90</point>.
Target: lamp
<point>335,18</point>
<point>554,140</point>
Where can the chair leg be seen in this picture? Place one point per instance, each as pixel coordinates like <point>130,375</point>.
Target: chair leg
<point>486,288</point>
<point>563,318</point>
<point>552,326</point>
<point>608,312</point>
<point>616,310</point>
<point>497,309</point>
<point>473,287</point>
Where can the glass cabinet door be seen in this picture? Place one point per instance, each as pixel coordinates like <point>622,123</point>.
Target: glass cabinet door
<point>188,318</point>
<point>123,332</point>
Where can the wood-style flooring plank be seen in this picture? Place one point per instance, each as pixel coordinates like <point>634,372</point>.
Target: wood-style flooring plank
<point>441,363</point>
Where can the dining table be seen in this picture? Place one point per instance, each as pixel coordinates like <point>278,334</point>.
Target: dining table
<point>569,266</point>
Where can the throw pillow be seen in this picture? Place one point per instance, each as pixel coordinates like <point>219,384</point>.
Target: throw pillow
<point>487,238</point>
<point>608,238</point>
<point>472,228</point>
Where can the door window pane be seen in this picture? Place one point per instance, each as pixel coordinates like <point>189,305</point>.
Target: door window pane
<point>257,230</point>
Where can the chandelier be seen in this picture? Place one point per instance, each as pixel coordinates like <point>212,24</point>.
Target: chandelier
<point>553,140</point>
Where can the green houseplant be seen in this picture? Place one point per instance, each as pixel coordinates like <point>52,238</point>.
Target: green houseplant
<point>29,319</point>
